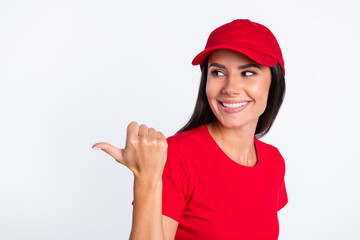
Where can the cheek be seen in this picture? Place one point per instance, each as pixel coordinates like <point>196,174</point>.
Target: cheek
<point>210,90</point>
<point>261,89</point>
<point>207,89</point>
<point>261,92</point>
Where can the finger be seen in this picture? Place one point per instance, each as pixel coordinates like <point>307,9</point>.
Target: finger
<point>113,151</point>
<point>143,130</point>
<point>160,135</point>
<point>152,133</point>
<point>132,131</point>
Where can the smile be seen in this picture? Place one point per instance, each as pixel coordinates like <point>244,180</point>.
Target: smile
<point>233,107</point>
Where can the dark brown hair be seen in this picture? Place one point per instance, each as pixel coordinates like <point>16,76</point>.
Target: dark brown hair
<point>203,114</point>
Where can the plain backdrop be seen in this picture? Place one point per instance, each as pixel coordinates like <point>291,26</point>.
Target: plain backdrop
<point>73,73</point>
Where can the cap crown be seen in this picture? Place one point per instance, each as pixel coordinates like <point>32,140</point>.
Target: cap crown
<point>251,38</point>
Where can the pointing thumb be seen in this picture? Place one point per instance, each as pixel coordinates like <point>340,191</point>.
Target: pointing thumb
<point>113,151</point>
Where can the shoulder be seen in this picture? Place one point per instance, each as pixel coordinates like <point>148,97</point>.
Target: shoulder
<point>267,148</point>
<point>187,145</point>
<point>271,152</point>
<point>187,138</point>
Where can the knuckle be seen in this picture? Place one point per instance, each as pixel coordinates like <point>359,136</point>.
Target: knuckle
<point>133,141</point>
<point>144,140</point>
<point>154,142</point>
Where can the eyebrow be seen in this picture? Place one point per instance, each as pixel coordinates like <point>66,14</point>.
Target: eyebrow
<point>239,68</point>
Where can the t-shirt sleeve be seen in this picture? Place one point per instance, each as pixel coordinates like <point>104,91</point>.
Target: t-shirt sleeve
<point>175,183</point>
<point>283,198</point>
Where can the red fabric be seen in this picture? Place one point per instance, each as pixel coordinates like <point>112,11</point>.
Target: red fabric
<point>244,36</point>
<point>213,197</point>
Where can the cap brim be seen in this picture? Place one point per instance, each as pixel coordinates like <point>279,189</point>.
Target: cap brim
<point>255,55</point>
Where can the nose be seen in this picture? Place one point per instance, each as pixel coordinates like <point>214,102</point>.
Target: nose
<point>233,85</point>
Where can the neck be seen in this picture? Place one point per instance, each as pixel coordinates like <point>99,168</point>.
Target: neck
<point>237,143</point>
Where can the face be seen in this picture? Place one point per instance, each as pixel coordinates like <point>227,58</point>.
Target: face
<point>232,81</point>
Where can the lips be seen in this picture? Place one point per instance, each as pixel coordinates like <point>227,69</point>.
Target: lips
<point>232,109</point>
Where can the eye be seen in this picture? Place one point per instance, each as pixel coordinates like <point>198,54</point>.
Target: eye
<point>248,73</point>
<point>216,72</point>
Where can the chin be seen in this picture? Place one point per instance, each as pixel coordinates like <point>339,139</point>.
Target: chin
<point>237,123</point>
<point>231,123</point>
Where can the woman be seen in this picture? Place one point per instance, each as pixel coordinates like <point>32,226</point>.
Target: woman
<point>214,179</point>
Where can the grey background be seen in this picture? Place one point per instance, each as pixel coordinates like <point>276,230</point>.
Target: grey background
<point>73,73</point>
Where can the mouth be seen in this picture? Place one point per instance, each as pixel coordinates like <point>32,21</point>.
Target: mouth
<point>233,104</point>
<point>233,107</point>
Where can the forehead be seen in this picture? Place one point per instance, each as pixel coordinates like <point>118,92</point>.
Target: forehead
<point>228,55</point>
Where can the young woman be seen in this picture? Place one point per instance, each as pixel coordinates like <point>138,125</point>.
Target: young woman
<point>214,179</point>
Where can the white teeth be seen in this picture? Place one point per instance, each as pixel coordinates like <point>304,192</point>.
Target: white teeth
<point>235,105</point>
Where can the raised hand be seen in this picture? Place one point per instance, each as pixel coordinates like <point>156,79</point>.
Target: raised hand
<point>144,154</point>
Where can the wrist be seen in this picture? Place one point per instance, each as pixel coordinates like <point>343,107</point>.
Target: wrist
<point>149,182</point>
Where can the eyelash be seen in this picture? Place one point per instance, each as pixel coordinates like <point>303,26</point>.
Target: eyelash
<point>215,71</point>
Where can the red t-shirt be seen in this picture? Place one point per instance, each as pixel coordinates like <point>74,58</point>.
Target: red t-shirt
<point>212,197</point>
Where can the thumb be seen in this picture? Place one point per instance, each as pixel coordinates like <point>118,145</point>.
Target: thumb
<point>113,151</point>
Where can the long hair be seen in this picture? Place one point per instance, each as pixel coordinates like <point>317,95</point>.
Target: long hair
<point>203,114</point>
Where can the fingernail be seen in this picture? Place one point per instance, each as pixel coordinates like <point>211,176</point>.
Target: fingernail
<point>96,148</point>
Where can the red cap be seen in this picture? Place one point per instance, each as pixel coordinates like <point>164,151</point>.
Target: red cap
<point>249,38</point>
